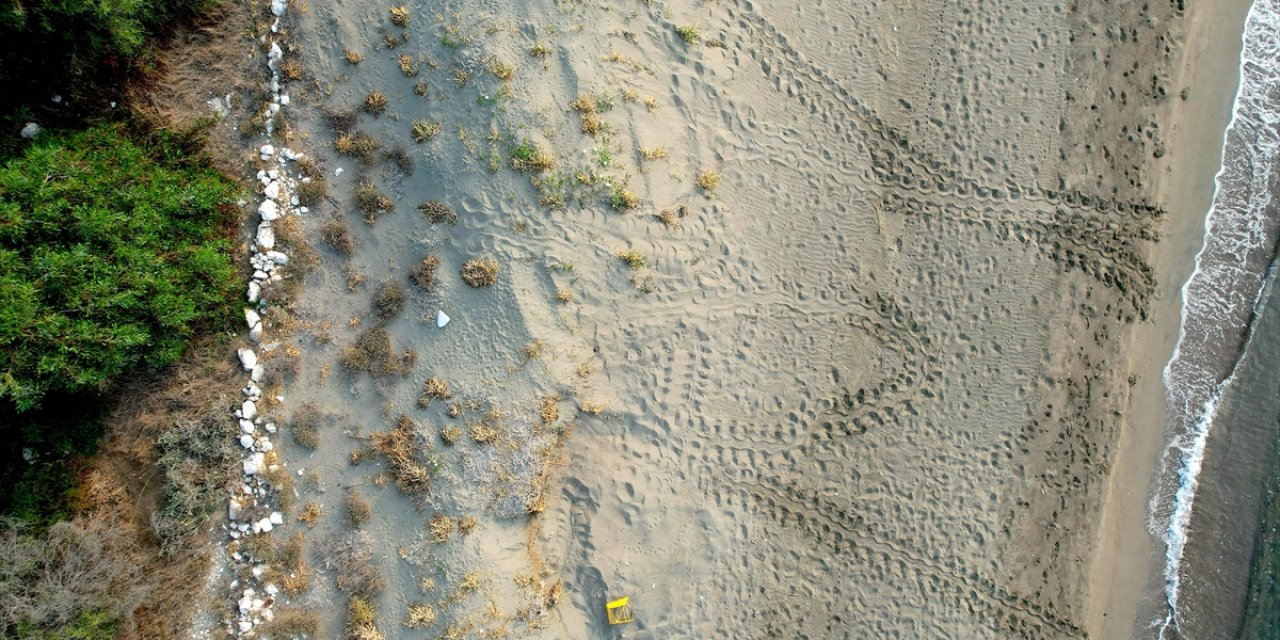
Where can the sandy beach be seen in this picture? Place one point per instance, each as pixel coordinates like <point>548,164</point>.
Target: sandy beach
<point>808,321</point>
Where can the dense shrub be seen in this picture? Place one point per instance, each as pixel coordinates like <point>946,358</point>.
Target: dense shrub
<point>110,259</point>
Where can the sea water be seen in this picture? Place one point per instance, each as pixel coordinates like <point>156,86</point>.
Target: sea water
<point>1225,303</point>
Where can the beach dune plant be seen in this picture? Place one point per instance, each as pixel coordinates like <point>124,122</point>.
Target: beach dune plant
<point>111,258</point>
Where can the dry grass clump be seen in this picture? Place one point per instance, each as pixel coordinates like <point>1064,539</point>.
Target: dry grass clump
<point>470,582</point>
<point>371,201</point>
<point>480,272</point>
<point>375,102</point>
<point>357,507</point>
<point>424,273</point>
<point>441,528</point>
<point>671,216</point>
<point>690,33</point>
<point>708,181</point>
<point>311,512</point>
<point>388,301</point>
<point>550,411</point>
<point>421,616</point>
<point>586,105</point>
<point>404,454</point>
<point>305,425</point>
<point>400,16</point>
<point>401,157</point>
<point>454,410</point>
<point>591,407</point>
<point>484,434</point>
<point>438,212</point>
<point>539,50</point>
<point>623,199</point>
<point>291,623</point>
<point>467,525</point>
<point>358,145</point>
<point>354,57</point>
<point>408,65</point>
<point>336,234</point>
<point>451,435</point>
<point>634,259</point>
<point>424,129</point>
<point>653,153</point>
<point>291,70</point>
<point>434,389</point>
<point>564,296</point>
<point>529,157</point>
<point>461,77</point>
<point>360,621</point>
<point>372,352</point>
<point>501,70</point>
<point>311,192</point>
<point>533,351</point>
<point>341,119</point>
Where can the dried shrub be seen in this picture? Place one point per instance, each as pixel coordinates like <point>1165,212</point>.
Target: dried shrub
<point>388,301</point>
<point>291,623</point>
<point>311,192</point>
<point>341,119</point>
<point>564,296</point>
<point>434,389</point>
<point>484,434</point>
<point>441,528</point>
<point>375,103</point>
<point>371,201</point>
<point>400,15</point>
<point>421,616</point>
<point>372,352</point>
<point>424,273</point>
<point>357,507</point>
<point>357,574</point>
<point>358,145</point>
<point>550,410</point>
<point>708,181</point>
<point>338,236</point>
<point>529,157</point>
<point>311,512</point>
<point>451,435</point>
<point>405,455</point>
<point>354,57</point>
<point>424,130</point>
<point>467,525</point>
<point>305,425</point>
<point>408,66</point>
<point>438,212</point>
<point>480,272</point>
<point>360,621</point>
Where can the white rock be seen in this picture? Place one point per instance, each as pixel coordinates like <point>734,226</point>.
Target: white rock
<point>271,589</point>
<point>246,441</point>
<point>277,517</point>
<point>295,201</point>
<point>277,257</point>
<point>248,359</point>
<point>268,615</point>
<point>245,626</point>
<point>256,374</point>
<point>233,509</point>
<point>271,427</point>
<point>338,171</point>
<point>264,525</point>
<point>303,210</point>
<point>260,275</point>
<point>251,318</point>
<point>442,319</point>
<point>266,237</point>
<point>284,100</point>
<point>269,210</point>
<point>255,292</point>
<point>273,174</point>
<point>267,150</point>
<point>274,54</point>
<point>235,534</point>
<point>246,426</point>
<point>278,6</point>
<point>273,190</point>
<point>266,445</point>
<point>253,464</point>
<point>30,130</point>
<point>249,409</point>
<point>255,334</point>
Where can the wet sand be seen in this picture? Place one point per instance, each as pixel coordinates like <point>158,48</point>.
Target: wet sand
<point>874,382</point>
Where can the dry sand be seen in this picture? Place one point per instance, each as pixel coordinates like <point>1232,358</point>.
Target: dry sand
<point>871,385</point>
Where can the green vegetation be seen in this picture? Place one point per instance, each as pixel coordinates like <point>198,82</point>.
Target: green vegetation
<point>690,33</point>
<point>110,259</point>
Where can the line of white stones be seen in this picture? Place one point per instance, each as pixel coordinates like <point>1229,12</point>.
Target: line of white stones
<point>250,510</point>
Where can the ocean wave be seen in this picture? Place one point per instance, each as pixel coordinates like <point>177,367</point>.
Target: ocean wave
<point>1220,298</point>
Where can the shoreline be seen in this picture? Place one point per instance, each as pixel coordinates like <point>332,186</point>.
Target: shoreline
<point>1126,583</point>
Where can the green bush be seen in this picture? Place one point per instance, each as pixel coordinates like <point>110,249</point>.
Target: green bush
<point>110,259</point>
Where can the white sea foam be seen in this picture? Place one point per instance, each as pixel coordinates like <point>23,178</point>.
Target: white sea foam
<point>1222,294</point>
